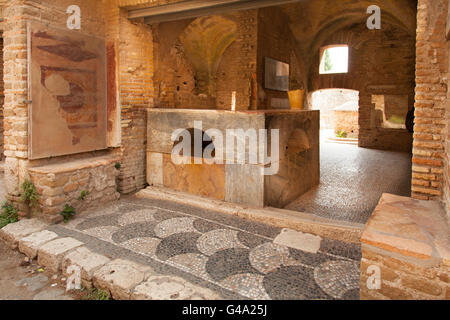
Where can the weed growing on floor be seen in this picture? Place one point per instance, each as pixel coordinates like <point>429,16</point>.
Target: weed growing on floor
<point>29,196</point>
<point>96,294</point>
<point>68,213</point>
<point>8,214</point>
<point>118,166</point>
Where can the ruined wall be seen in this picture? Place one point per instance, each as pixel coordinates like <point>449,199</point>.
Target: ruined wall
<point>430,154</point>
<point>375,58</point>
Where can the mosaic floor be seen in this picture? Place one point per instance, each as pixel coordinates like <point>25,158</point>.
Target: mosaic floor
<point>232,254</point>
<point>353,180</point>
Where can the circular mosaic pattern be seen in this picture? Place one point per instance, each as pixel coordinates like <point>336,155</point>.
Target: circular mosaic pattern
<point>337,278</point>
<point>100,221</point>
<point>179,243</point>
<point>293,283</point>
<point>136,217</point>
<point>193,262</point>
<point>147,246</point>
<point>135,230</point>
<point>268,257</point>
<point>229,262</point>
<point>173,226</point>
<point>217,240</point>
<point>104,233</point>
<point>234,256</point>
<point>248,284</point>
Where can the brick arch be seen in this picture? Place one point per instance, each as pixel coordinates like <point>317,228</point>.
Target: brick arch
<point>205,41</point>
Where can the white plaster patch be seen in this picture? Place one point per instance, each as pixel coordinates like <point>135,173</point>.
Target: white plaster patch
<point>298,240</point>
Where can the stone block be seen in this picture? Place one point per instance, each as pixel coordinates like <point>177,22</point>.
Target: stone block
<point>51,254</point>
<point>119,277</point>
<point>155,169</point>
<point>171,288</point>
<point>87,261</point>
<point>14,232</point>
<point>29,245</point>
<point>298,240</point>
<point>244,184</point>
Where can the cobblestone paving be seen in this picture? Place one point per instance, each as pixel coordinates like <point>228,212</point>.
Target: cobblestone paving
<point>235,255</point>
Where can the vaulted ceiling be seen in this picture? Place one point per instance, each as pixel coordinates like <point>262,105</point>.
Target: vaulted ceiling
<point>314,21</point>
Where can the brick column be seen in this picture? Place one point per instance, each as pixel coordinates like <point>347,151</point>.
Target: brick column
<point>15,107</point>
<point>429,154</point>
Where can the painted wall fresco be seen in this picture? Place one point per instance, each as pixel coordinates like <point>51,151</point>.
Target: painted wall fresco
<point>68,92</point>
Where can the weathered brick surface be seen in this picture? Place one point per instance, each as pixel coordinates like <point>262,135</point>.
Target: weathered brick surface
<point>401,280</point>
<point>430,180</point>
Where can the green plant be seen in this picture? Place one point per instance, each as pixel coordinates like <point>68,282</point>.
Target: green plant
<point>83,195</point>
<point>8,214</point>
<point>68,213</point>
<point>341,134</point>
<point>97,294</point>
<point>29,195</point>
<point>118,166</point>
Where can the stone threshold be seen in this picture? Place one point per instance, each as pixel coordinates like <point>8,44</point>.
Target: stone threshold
<point>281,218</point>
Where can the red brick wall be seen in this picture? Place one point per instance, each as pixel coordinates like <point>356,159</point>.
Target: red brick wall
<point>131,45</point>
<point>430,156</point>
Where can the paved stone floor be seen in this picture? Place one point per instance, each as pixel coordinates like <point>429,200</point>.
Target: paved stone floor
<point>353,180</point>
<point>23,281</point>
<point>235,258</point>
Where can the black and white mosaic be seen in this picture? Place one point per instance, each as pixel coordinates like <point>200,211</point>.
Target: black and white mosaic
<point>231,254</point>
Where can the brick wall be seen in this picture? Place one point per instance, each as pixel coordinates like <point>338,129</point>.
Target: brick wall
<point>237,70</point>
<point>2,98</point>
<point>402,280</point>
<point>430,155</point>
<point>130,89</point>
<point>17,13</point>
<point>276,41</point>
<point>375,58</point>
<point>176,76</point>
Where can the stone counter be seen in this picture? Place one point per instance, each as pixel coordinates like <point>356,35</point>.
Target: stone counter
<point>408,242</point>
<point>232,181</point>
